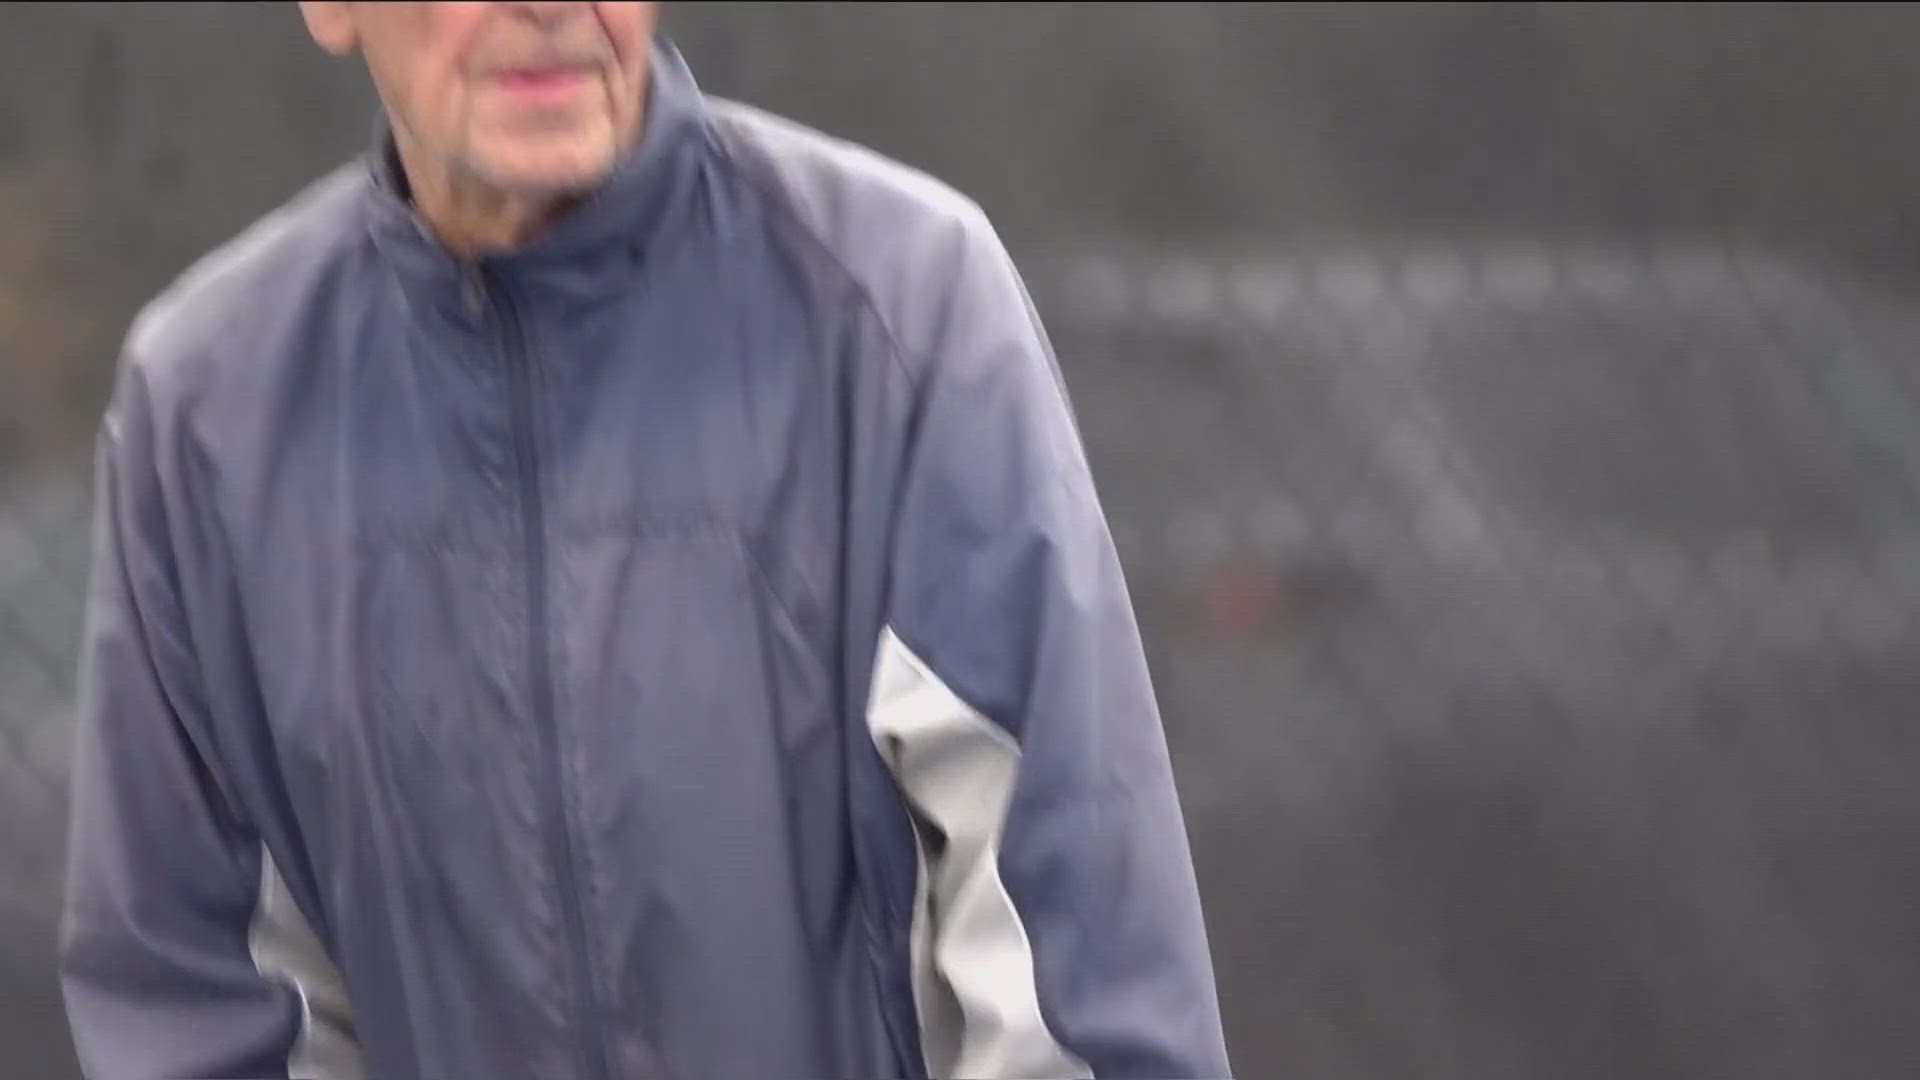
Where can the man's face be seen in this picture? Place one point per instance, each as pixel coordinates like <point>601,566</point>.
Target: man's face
<point>532,99</point>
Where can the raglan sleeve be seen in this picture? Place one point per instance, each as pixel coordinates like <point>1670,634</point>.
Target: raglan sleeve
<point>164,879</point>
<point>1058,930</point>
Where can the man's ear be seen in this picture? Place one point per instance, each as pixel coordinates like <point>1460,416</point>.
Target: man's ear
<point>330,22</point>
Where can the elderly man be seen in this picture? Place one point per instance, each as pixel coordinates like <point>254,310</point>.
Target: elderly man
<point>609,587</point>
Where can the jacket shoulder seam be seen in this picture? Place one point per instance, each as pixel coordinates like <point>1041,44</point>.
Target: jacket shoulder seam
<point>783,206</point>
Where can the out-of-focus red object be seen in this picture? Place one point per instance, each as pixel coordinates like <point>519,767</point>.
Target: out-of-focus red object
<point>1242,599</point>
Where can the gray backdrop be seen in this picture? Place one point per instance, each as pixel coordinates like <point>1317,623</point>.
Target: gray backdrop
<point>1507,414</point>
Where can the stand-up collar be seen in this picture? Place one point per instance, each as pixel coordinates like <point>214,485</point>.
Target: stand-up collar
<point>589,249</point>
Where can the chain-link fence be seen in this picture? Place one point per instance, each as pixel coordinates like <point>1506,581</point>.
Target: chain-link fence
<point>1532,585</point>
<point>43,564</point>
<point>43,569</point>
<point>1536,626</point>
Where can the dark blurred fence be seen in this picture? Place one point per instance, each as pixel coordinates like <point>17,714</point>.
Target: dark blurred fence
<point>1508,414</point>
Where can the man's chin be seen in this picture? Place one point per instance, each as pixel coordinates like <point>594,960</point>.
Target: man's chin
<point>549,177</point>
<point>553,187</point>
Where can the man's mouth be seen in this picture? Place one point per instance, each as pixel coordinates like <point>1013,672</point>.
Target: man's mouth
<point>542,85</point>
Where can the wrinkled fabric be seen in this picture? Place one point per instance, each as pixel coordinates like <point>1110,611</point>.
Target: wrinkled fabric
<point>516,622</point>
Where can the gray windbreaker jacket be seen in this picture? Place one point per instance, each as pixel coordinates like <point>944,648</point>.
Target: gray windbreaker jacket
<point>687,648</point>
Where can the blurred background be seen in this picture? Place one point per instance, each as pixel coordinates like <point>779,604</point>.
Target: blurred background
<point>1508,415</point>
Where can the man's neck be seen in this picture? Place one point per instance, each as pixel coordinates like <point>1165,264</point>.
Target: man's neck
<point>469,216</point>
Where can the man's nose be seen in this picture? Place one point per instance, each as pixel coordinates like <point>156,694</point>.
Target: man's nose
<point>549,13</point>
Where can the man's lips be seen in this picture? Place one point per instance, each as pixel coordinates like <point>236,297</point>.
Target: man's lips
<point>542,85</point>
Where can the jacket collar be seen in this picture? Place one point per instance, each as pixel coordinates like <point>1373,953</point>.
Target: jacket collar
<point>583,254</point>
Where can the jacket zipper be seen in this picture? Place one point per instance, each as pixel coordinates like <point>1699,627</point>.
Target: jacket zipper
<point>560,831</point>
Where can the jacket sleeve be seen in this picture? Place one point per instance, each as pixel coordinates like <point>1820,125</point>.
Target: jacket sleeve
<point>165,880</point>
<point>1057,929</point>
